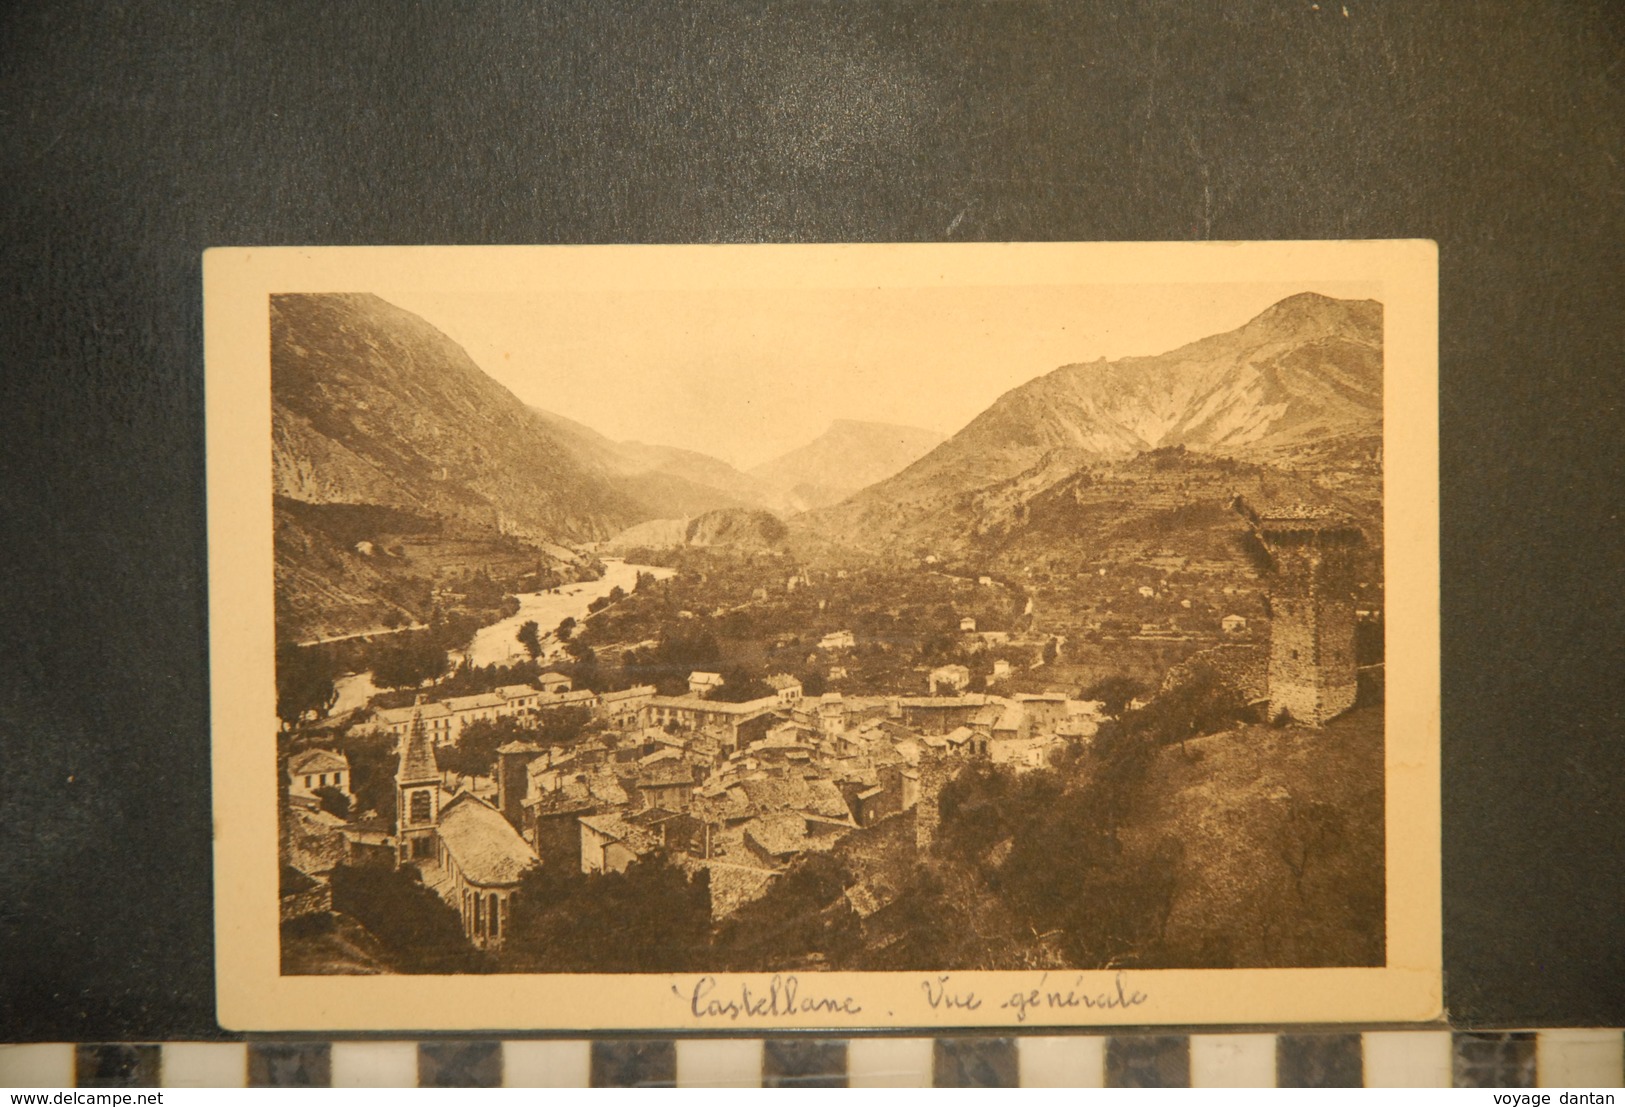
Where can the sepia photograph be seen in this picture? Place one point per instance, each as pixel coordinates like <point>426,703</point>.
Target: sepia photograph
<point>825,635</point>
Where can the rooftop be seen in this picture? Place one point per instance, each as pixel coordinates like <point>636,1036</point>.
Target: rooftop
<point>635,838</point>
<point>486,847</point>
<point>778,835</point>
<point>666,775</point>
<point>473,703</point>
<point>317,761</point>
<point>554,699</point>
<point>417,759</point>
<point>721,707</point>
<point>395,715</point>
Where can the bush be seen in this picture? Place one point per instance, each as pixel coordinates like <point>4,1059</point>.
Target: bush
<point>418,930</point>
<point>373,763</point>
<point>333,801</point>
<point>651,918</point>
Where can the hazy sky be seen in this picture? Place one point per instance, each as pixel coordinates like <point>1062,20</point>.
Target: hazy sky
<point>746,375</point>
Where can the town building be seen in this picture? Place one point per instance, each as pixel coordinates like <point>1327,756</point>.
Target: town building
<point>311,771</point>
<point>666,784</point>
<point>518,699</point>
<point>703,684</point>
<point>955,678</point>
<point>622,710</point>
<point>463,847</point>
<point>609,843</point>
<point>838,640</point>
<point>485,707</point>
<point>786,687</point>
<point>399,721</point>
<point>584,697</point>
<point>737,724</point>
<point>480,859</point>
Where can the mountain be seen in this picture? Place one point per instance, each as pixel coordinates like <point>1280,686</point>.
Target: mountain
<point>665,478</point>
<point>373,405</point>
<point>1294,391</point>
<point>397,461</point>
<point>848,456</point>
<point>732,528</point>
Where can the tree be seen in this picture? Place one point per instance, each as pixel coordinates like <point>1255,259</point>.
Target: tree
<point>1201,703</point>
<point>304,684</point>
<point>418,930</point>
<point>409,663</point>
<point>740,685</point>
<point>333,801</point>
<point>373,764</point>
<point>561,726</point>
<point>1115,693</point>
<point>475,753</point>
<point>530,636</point>
<point>566,625</point>
<point>652,918</point>
<point>1052,649</point>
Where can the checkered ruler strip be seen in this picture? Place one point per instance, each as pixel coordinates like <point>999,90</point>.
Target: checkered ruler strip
<point>1541,1058</point>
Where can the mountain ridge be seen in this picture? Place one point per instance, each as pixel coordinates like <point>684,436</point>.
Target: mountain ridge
<point>1299,381</point>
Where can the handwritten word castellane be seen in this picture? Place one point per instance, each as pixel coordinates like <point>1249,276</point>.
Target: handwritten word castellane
<point>784,996</point>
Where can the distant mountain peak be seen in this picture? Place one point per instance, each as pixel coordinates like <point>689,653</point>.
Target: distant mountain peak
<point>851,454</point>
<point>1314,308</point>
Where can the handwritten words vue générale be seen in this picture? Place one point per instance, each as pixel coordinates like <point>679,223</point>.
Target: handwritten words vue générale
<point>787,995</point>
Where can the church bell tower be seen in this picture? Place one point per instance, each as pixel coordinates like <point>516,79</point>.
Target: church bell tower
<point>417,796</point>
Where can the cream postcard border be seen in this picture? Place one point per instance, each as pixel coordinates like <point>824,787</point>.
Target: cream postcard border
<point>254,996</point>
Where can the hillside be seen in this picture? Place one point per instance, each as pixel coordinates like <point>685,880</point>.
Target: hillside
<point>373,405</point>
<point>660,478</point>
<point>398,463</point>
<point>1282,832</point>
<point>850,455</point>
<point>1253,847</point>
<point>735,529</point>
<point>1294,395</point>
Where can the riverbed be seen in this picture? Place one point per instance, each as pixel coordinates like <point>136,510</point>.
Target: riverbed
<point>498,643</point>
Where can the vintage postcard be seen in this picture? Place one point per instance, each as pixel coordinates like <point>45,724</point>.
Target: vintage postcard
<point>738,638</point>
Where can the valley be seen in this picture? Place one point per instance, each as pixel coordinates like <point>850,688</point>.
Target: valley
<point>629,707</point>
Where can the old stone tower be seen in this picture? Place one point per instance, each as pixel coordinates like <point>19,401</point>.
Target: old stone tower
<point>936,768</point>
<point>1312,669</point>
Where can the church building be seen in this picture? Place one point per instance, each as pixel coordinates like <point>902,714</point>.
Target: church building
<point>462,846</point>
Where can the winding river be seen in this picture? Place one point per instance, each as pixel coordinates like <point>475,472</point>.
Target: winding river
<point>498,643</point>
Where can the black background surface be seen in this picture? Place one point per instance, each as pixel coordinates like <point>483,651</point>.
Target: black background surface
<point>136,135</point>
